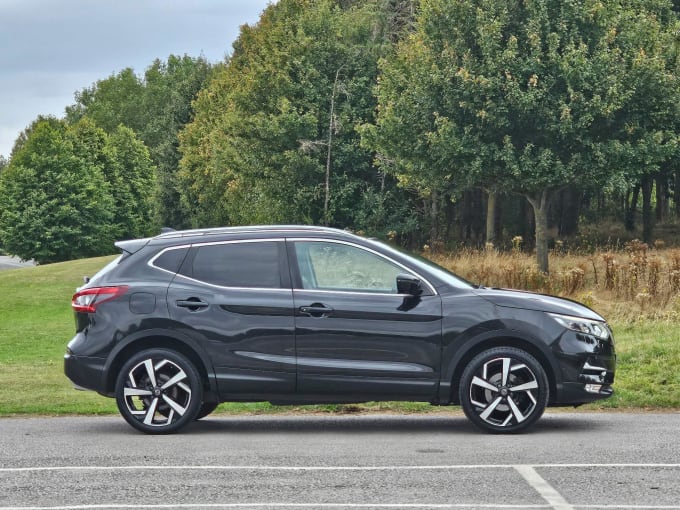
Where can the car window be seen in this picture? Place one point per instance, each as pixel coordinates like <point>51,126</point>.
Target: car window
<point>336,266</point>
<point>171,259</point>
<point>249,265</point>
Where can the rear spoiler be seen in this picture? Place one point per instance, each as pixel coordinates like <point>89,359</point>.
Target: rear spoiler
<point>132,246</point>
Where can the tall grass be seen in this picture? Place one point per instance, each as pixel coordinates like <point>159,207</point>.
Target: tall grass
<point>632,284</point>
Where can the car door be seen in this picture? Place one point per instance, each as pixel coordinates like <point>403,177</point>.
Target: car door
<point>235,299</point>
<point>356,336</point>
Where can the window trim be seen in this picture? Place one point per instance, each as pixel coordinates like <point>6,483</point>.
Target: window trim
<point>285,278</point>
<point>297,278</point>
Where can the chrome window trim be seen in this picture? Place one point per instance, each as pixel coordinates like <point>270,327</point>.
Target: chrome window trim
<point>355,245</point>
<point>151,261</point>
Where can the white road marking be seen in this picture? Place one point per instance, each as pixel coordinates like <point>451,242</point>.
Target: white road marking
<point>528,472</point>
<point>325,468</point>
<point>547,491</point>
<point>273,505</point>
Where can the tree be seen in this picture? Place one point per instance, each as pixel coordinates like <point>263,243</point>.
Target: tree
<point>156,107</point>
<point>274,136</point>
<point>132,178</point>
<point>54,203</point>
<point>525,97</point>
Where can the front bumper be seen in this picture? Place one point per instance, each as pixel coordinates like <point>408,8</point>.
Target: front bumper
<point>588,367</point>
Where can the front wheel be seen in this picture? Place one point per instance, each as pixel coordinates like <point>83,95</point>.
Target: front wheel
<point>503,390</point>
<point>159,391</point>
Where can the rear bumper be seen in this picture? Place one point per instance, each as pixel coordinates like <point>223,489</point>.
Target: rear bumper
<point>85,372</point>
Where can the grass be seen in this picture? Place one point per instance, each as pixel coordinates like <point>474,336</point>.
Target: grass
<point>36,322</point>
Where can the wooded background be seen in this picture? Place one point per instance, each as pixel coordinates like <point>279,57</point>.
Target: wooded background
<point>432,122</point>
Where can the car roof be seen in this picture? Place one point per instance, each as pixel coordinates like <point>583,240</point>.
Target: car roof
<point>254,229</point>
<point>170,237</point>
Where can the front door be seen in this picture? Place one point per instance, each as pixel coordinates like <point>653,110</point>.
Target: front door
<point>356,336</point>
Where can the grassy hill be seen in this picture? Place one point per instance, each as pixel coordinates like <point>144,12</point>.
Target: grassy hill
<point>36,323</point>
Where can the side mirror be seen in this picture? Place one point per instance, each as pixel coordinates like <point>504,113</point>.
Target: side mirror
<point>408,284</point>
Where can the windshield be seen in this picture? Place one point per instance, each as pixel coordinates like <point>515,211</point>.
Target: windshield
<point>427,266</point>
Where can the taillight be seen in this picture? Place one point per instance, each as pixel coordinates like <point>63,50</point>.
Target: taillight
<point>87,300</point>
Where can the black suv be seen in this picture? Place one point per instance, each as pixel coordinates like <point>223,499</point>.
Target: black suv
<point>188,319</point>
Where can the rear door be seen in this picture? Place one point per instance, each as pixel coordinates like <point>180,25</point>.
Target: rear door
<point>235,299</point>
<point>356,335</point>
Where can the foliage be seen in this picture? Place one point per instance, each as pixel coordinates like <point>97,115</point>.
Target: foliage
<point>155,107</point>
<point>528,97</point>
<point>54,201</point>
<point>278,121</point>
<point>132,177</point>
<point>71,190</point>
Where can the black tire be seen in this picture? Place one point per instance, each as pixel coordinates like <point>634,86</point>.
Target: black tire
<point>504,390</point>
<point>205,409</point>
<point>159,391</point>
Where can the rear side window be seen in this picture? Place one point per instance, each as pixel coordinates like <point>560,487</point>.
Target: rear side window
<point>171,259</point>
<point>249,265</point>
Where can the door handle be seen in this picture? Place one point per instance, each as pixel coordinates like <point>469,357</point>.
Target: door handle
<point>316,310</point>
<point>193,304</point>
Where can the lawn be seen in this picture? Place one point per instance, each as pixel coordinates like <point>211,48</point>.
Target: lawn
<point>36,323</point>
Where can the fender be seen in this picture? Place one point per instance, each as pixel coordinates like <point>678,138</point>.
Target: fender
<point>141,335</point>
<point>517,336</point>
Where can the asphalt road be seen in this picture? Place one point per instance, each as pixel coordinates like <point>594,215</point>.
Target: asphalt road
<point>13,263</point>
<point>568,460</point>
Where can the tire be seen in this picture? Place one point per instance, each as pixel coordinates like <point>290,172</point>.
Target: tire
<point>503,390</point>
<point>205,409</point>
<point>159,391</point>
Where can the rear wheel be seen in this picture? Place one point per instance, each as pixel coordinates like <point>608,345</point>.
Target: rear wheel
<point>504,390</point>
<point>159,391</point>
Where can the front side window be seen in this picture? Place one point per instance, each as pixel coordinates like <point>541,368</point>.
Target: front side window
<point>335,266</point>
<point>247,265</point>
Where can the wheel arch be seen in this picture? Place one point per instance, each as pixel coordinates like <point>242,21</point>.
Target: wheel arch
<point>161,339</point>
<point>456,366</point>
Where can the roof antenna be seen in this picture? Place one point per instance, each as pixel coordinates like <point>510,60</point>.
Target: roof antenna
<point>167,230</point>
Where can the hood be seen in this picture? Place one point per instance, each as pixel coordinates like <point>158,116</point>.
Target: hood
<point>539,302</point>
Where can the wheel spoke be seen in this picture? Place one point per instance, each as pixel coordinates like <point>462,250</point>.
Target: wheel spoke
<point>515,411</point>
<point>136,392</point>
<point>151,372</point>
<point>180,376</point>
<point>492,407</point>
<point>174,405</point>
<point>531,385</point>
<point>148,419</point>
<point>478,381</point>
<point>506,371</point>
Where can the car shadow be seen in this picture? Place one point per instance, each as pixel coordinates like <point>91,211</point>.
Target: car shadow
<point>556,423</point>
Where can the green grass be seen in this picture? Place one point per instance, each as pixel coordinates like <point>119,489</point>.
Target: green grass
<point>36,323</point>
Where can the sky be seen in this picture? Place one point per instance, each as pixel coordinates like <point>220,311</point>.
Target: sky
<point>49,49</point>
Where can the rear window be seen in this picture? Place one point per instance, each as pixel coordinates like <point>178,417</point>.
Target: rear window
<point>247,264</point>
<point>107,268</point>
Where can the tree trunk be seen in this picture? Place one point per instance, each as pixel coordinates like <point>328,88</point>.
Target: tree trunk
<point>647,214</point>
<point>540,205</point>
<point>491,218</point>
<point>434,218</point>
<point>676,194</point>
<point>661,202</point>
<point>569,213</point>
<point>632,209</point>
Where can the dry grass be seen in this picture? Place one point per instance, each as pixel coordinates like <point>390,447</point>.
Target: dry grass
<point>632,284</point>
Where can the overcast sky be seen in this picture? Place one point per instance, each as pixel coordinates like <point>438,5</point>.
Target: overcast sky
<point>50,49</point>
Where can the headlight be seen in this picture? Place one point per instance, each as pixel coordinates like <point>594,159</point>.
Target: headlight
<point>587,326</point>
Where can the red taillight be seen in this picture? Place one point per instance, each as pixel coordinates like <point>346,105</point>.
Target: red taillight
<point>88,300</point>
